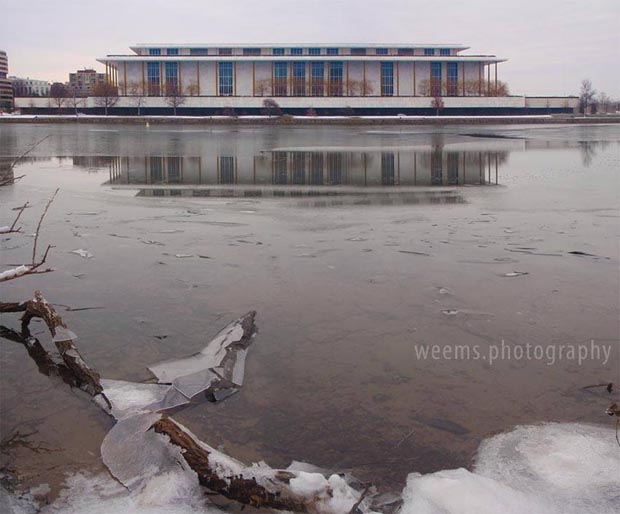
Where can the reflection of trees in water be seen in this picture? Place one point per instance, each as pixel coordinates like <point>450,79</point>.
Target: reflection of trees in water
<point>589,149</point>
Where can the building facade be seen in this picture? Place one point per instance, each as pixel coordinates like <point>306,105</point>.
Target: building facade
<point>303,71</point>
<point>29,87</point>
<point>83,82</point>
<point>6,90</point>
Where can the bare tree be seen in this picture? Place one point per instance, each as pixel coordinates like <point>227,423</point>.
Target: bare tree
<point>58,94</point>
<point>604,103</point>
<point>263,87</point>
<point>174,97</point>
<point>586,95</point>
<point>359,88</point>
<point>106,95</point>
<point>271,107</point>
<point>192,89</point>
<point>136,95</point>
<point>75,101</point>
<point>437,104</point>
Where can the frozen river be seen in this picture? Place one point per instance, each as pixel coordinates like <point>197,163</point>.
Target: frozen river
<point>359,248</point>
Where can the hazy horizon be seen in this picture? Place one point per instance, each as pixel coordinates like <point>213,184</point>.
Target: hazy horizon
<point>550,47</point>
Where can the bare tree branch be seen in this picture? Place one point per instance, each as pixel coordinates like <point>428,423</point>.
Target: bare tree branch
<point>28,150</point>
<point>12,229</point>
<point>36,236</point>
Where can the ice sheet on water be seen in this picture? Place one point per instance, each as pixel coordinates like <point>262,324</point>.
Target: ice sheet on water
<point>194,383</point>
<point>547,469</point>
<point>129,398</point>
<point>210,357</point>
<point>134,454</point>
<point>173,492</point>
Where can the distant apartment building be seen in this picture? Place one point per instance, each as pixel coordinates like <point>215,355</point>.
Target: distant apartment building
<point>83,82</point>
<point>29,87</point>
<point>6,90</point>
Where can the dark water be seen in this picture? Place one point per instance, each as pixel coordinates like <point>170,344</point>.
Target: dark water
<point>354,246</point>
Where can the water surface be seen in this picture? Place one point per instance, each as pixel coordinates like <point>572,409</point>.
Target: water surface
<point>354,245</point>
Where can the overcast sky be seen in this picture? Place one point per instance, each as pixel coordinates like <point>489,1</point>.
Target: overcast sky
<point>551,45</point>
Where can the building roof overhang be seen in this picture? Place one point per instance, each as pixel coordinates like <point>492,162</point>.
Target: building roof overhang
<point>485,59</point>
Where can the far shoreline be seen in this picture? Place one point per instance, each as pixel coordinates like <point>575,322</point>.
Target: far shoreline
<point>287,120</point>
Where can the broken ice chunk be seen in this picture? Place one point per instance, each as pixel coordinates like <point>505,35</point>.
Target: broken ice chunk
<point>173,398</point>
<point>64,334</point>
<point>239,368</point>
<point>129,398</point>
<point>516,273</point>
<point>134,454</point>
<point>217,395</point>
<point>85,254</point>
<point>238,332</point>
<point>194,383</point>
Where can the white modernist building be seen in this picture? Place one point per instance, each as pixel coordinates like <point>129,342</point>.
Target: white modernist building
<point>303,78</point>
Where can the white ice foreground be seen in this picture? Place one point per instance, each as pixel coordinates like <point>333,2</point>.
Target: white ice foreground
<point>551,468</point>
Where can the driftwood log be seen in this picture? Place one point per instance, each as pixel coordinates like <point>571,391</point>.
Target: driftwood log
<point>74,370</point>
<point>244,490</point>
<point>241,485</point>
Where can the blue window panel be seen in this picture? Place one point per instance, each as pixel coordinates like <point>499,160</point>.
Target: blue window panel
<point>444,51</point>
<point>280,75</point>
<point>429,51</point>
<point>317,79</point>
<point>297,51</point>
<point>154,51</point>
<point>299,79</point>
<point>172,51</point>
<point>278,51</point>
<point>453,78</point>
<point>387,79</point>
<point>381,51</point>
<point>226,78</point>
<point>153,78</point>
<point>172,75</point>
<point>336,73</point>
<point>314,51</point>
<point>436,79</point>
<point>332,51</point>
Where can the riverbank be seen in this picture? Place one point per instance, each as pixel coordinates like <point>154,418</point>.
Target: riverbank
<point>313,120</point>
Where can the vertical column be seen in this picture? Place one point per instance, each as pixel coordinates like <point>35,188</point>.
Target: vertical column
<point>180,83</point>
<point>479,79</point>
<point>346,91</point>
<point>143,81</point>
<point>125,76</point>
<point>161,78</point>
<point>397,78</point>
<point>489,79</point>
<point>234,78</point>
<point>463,78</point>
<point>496,79</point>
<point>198,78</point>
<point>253,78</point>
<point>414,79</point>
<point>364,85</point>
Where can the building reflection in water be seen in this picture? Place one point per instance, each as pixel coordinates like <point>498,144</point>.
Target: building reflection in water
<point>312,169</point>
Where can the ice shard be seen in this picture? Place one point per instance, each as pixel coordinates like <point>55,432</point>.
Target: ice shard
<point>130,398</point>
<point>134,454</point>
<point>218,369</point>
